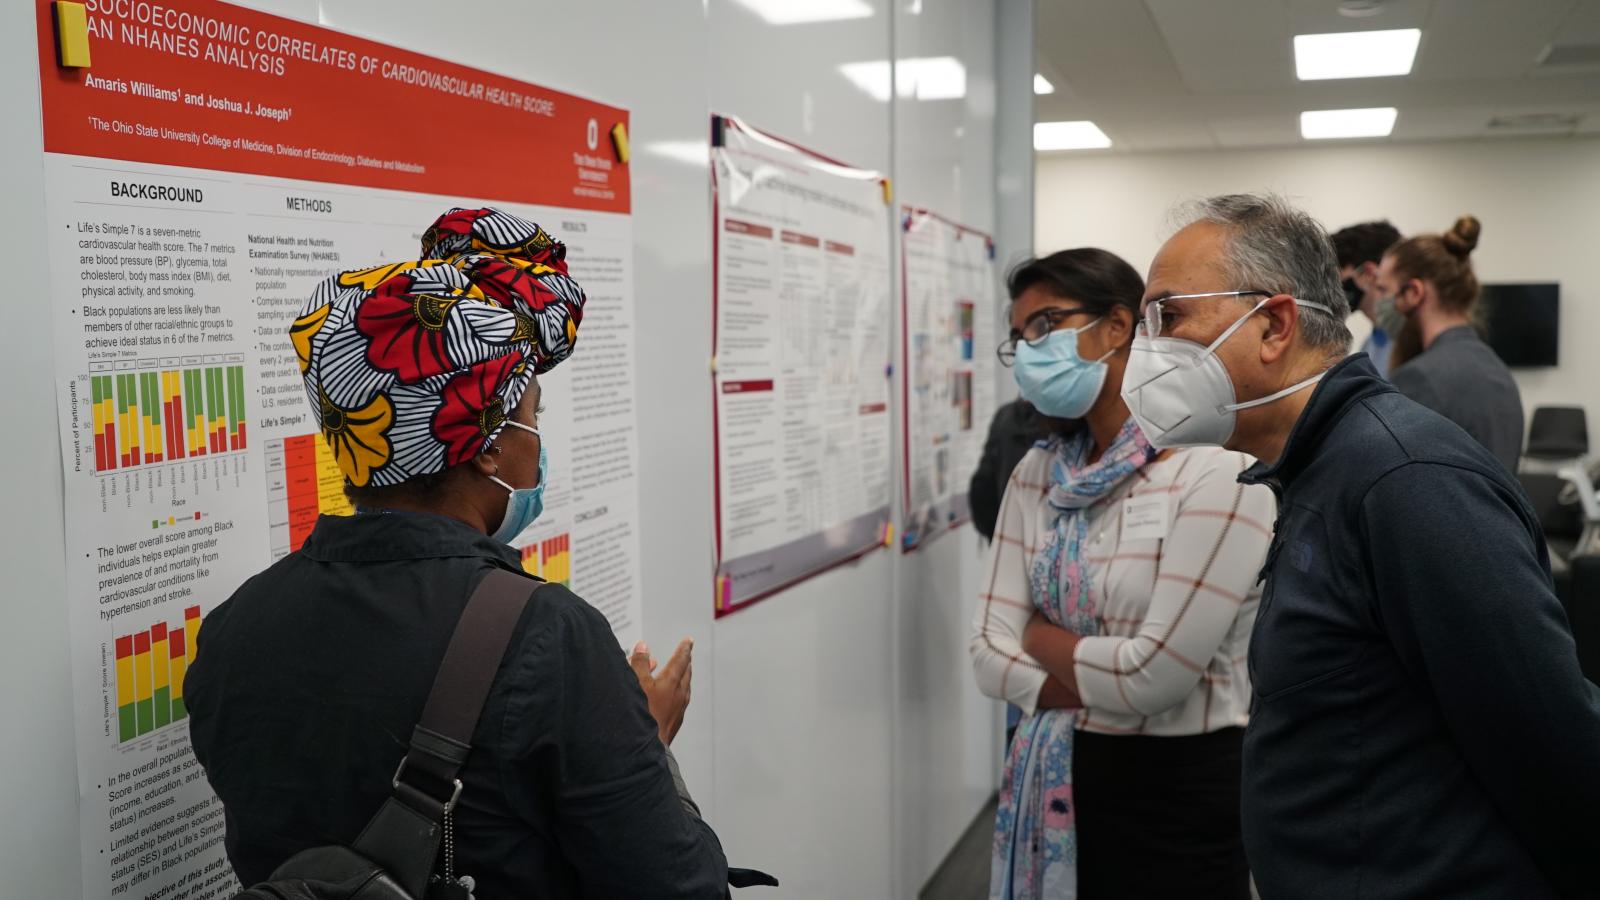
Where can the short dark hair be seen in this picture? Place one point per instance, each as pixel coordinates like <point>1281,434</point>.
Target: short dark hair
<point>1096,279</point>
<point>1364,243</point>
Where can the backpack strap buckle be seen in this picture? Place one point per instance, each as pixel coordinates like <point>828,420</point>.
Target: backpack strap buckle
<point>455,793</point>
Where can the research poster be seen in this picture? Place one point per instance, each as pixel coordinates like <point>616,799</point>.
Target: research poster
<point>204,167</point>
<point>800,380</point>
<point>949,296</point>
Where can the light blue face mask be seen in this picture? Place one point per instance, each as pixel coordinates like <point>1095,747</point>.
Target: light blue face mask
<point>1055,379</point>
<point>523,505</point>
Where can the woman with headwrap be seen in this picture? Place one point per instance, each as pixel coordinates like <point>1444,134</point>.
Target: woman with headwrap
<point>309,679</point>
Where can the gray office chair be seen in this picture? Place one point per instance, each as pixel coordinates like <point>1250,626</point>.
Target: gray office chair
<point>1558,433</point>
<point>1559,480</point>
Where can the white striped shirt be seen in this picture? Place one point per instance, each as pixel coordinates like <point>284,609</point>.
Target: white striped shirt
<point>1175,611</point>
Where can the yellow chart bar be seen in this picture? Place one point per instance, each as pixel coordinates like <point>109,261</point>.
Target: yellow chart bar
<point>331,500</point>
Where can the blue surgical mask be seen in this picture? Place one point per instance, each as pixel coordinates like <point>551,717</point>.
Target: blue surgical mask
<point>523,505</point>
<point>1055,379</point>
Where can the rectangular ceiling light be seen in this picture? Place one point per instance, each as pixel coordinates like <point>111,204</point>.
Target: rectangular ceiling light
<point>1069,136</point>
<point>1355,54</point>
<point>1042,85</point>
<point>801,12</point>
<point>1347,123</point>
<point>920,78</point>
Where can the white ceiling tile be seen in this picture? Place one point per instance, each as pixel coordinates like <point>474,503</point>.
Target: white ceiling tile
<point>1322,16</point>
<point>1582,25</point>
<point>1169,134</point>
<point>1487,38</point>
<point>1058,106</point>
<point>1227,45</point>
<point>1533,126</point>
<point>1102,45</point>
<point>1255,131</point>
<point>1193,74</point>
<point>1440,122</point>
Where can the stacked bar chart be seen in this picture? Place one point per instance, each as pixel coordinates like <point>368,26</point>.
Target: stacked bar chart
<point>156,411</point>
<point>151,665</point>
<point>550,559</point>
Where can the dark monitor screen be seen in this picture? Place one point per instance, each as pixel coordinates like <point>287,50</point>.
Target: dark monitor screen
<point>1522,322</point>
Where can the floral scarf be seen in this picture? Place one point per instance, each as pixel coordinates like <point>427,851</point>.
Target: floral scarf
<point>1035,841</point>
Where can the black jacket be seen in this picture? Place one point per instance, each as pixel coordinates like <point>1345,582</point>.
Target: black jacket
<point>309,679</point>
<point>1421,728</point>
<point>1013,432</point>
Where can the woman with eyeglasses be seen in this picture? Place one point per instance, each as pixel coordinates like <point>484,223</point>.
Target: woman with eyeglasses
<point>1117,611</point>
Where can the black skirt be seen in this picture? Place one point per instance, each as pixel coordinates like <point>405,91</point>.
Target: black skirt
<point>1158,817</point>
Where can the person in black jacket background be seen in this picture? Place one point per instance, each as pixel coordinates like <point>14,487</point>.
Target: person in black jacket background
<point>309,679</point>
<point>1421,726</point>
<point>1016,427</point>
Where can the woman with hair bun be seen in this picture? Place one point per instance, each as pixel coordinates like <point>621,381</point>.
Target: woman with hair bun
<point>1440,361</point>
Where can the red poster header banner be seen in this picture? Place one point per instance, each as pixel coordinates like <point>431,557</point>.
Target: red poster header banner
<point>201,84</point>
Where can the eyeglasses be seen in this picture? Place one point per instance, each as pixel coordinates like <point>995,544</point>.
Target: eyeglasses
<point>1154,315</point>
<point>1034,331</point>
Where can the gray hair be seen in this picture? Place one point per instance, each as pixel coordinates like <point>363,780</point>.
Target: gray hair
<point>1273,246</point>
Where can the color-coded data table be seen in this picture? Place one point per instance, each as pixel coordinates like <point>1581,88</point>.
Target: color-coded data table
<point>150,411</point>
<point>303,482</point>
<point>550,559</point>
<point>150,669</point>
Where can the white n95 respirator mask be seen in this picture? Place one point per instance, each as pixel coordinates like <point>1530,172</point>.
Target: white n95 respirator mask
<point>1180,393</point>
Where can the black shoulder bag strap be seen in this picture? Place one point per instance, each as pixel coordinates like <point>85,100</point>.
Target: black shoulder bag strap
<point>403,837</point>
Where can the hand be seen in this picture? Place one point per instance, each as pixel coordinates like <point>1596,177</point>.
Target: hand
<point>1054,649</point>
<point>668,692</point>
<point>1034,634</point>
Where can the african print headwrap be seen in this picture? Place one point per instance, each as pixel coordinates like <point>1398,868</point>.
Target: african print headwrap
<point>413,367</point>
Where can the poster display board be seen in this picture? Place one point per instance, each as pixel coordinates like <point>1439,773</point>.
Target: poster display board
<point>800,380</point>
<point>205,166</point>
<point>948,314</point>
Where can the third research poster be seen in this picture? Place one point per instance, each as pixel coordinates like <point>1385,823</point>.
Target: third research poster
<point>800,383</point>
<point>949,351</point>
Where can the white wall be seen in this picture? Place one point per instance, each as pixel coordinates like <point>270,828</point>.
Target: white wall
<point>801,712</point>
<point>835,736</point>
<point>1537,200</point>
<point>944,741</point>
<point>39,848</point>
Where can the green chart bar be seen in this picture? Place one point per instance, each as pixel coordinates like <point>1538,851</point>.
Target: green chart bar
<point>214,406</point>
<point>130,440</point>
<point>150,413</point>
<point>236,407</point>
<point>194,410</point>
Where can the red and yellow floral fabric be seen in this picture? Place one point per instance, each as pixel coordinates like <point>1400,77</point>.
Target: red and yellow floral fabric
<point>413,367</point>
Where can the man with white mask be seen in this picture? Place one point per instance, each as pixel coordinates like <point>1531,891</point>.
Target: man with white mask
<point>1420,725</point>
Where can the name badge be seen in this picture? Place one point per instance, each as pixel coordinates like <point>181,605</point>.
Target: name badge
<point>1145,518</point>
